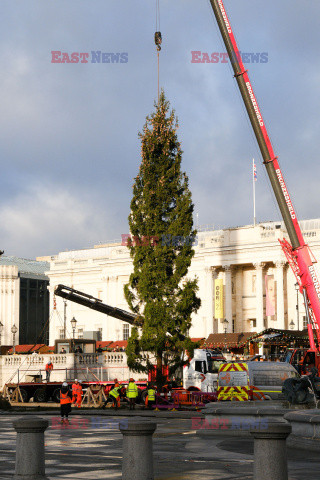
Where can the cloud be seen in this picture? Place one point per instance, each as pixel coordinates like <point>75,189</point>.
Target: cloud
<point>66,128</point>
<point>45,219</point>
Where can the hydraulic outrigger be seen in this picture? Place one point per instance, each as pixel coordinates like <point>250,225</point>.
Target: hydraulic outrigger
<point>297,253</point>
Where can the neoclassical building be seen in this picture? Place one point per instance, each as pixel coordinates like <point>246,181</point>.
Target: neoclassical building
<point>24,300</point>
<point>258,287</point>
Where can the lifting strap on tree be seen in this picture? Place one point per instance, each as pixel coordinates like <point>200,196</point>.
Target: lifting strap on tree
<point>158,40</point>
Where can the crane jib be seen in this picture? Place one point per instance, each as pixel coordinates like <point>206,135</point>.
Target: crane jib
<point>297,253</point>
<point>94,303</point>
<point>255,104</point>
<point>258,125</point>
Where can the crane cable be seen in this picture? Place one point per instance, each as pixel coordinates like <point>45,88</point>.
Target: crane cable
<point>158,41</point>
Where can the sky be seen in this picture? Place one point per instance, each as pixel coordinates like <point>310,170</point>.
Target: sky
<point>69,146</point>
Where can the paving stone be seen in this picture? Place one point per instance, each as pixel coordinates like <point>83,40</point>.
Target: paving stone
<point>94,452</point>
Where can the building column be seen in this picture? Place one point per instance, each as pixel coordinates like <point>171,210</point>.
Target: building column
<point>228,297</point>
<point>259,296</point>
<point>210,276</point>
<point>280,295</point>
<point>239,323</point>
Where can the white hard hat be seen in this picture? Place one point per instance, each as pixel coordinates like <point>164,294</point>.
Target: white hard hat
<point>75,379</point>
<point>64,384</point>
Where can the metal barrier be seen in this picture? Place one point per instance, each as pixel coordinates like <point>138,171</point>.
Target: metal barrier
<point>183,398</point>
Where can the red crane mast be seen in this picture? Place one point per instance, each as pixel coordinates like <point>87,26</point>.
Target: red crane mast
<point>297,253</point>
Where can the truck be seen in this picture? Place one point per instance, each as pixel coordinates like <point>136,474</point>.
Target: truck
<point>202,372</point>
<point>302,359</point>
<point>297,252</point>
<point>200,375</point>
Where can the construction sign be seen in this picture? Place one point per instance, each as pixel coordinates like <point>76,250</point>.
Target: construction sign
<point>218,298</point>
<point>233,382</point>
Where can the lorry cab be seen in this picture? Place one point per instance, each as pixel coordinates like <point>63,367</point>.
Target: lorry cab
<point>303,360</point>
<point>253,380</point>
<point>202,372</point>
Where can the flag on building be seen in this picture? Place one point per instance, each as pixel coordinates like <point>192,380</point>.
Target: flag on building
<point>254,171</point>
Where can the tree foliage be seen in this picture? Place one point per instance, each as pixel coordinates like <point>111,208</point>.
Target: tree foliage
<point>162,235</point>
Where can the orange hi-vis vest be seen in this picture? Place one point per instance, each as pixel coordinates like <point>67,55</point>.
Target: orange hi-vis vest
<point>64,398</point>
<point>49,367</point>
<point>75,388</point>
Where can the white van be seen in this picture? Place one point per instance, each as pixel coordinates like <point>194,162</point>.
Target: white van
<point>253,380</point>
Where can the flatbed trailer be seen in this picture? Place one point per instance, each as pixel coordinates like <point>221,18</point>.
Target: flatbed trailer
<point>42,392</point>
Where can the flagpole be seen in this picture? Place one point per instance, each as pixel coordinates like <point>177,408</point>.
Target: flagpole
<point>254,193</point>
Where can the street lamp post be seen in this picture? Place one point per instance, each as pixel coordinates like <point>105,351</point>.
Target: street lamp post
<point>64,318</point>
<point>14,331</point>
<point>297,287</point>
<point>225,324</point>
<point>291,324</point>
<point>73,324</point>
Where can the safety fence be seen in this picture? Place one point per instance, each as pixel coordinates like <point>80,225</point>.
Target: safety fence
<point>180,398</point>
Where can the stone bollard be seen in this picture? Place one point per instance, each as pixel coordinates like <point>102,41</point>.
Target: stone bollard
<point>137,459</point>
<point>270,451</point>
<point>30,462</point>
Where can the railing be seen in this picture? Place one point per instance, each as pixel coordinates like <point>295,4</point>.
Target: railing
<point>115,357</point>
<point>87,359</point>
<point>16,367</point>
<point>37,375</point>
<point>12,361</point>
<point>86,366</point>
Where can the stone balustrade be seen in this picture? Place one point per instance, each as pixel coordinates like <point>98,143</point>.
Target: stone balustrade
<point>85,366</point>
<point>14,360</point>
<point>115,358</point>
<point>23,368</point>
<point>88,359</point>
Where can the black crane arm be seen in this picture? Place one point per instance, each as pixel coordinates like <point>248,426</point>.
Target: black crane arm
<point>96,304</point>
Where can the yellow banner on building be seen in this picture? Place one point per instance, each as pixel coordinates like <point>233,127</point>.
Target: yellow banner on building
<point>218,298</point>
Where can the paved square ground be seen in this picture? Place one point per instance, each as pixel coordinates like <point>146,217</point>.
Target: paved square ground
<point>91,448</point>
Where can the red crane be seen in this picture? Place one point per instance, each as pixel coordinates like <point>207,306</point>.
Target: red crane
<point>297,252</point>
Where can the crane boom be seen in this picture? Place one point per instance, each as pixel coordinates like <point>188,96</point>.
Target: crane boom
<point>96,304</point>
<point>297,253</point>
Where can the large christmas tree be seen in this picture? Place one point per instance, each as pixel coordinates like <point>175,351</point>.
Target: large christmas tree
<point>162,235</point>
